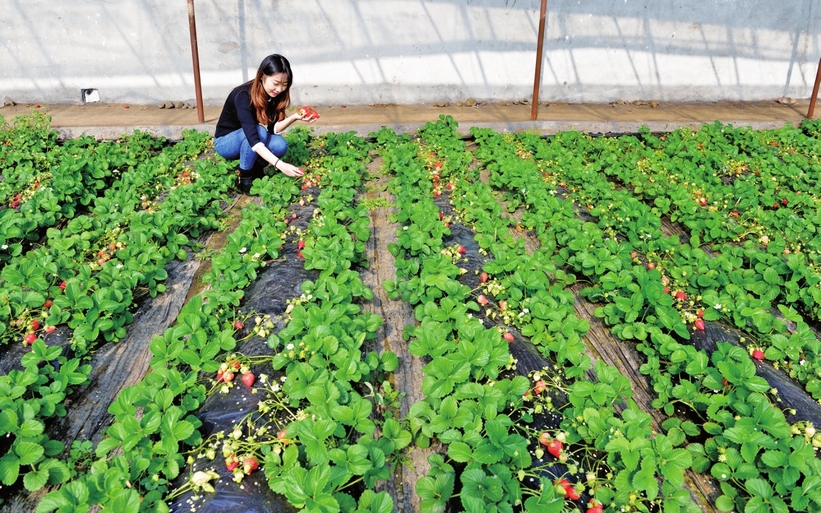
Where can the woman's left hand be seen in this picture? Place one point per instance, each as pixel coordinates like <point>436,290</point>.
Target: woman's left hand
<point>308,114</point>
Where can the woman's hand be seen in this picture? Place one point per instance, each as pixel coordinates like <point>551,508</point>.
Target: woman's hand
<point>307,114</point>
<point>290,169</point>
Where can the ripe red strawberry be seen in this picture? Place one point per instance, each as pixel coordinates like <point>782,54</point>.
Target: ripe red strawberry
<point>462,250</point>
<point>555,448</point>
<point>231,462</point>
<point>725,382</point>
<point>633,254</point>
<point>539,387</point>
<point>50,329</point>
<point>435,194</point>
<point>15,204</point>
<point>503,304</point>
<point>228,376</point>
<point>568,490</point>
<point>482,300</point>
<point>508,336</point>
<point>48,303</point>
<point>483,277</point>
<point>249,464</point>
<point>594,506</point>
<point>758,354</point>
<point>441,215</point>
<point>702,201</point>
<point>248,379</point>
<point>29,339</point>
<point>35,324</point>
<point>700,314</point>
<point>294,216</point>
<point>63,286</point>
<point>784,202</point>
<point>650,266</point>
<point>681,296</point>
<point>699,324</point>
<point>300,245</point>
<point>238,325</point>
<point>666,290</point>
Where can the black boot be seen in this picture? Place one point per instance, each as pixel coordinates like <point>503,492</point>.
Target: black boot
<point>245,184</point>
<point>245,181</point>
<point>258,171</point>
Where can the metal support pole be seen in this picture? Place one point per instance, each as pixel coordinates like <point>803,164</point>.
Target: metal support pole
<point>534,108</point>
<point>814,91</point>
<point>192,27</point>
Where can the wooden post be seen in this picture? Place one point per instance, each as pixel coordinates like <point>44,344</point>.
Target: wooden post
<point>814,91</point>
<point>192,28</point>
<point>534,108</point>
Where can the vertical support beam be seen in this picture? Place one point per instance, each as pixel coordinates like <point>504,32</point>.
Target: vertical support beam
<point>192,27</point>
<point>534,108</point>
<point>814,97</point>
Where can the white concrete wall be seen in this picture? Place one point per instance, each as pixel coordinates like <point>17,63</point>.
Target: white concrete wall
<point>361,52</point>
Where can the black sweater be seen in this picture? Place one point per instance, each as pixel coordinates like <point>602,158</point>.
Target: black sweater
<point>238,112</point>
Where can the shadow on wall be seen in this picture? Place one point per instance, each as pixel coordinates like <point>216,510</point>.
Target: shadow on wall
<point>371,51</point>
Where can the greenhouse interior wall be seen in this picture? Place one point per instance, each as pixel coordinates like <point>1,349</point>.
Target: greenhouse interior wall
<point>365,52</point>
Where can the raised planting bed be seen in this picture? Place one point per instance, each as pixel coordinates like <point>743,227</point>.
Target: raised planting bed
<point>423,322</point>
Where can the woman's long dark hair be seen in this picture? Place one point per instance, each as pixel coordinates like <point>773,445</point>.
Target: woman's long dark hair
<point>271,65</point>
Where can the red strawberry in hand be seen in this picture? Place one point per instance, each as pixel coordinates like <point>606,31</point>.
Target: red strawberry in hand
<point>248,379</point>
<point>555,448</point>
